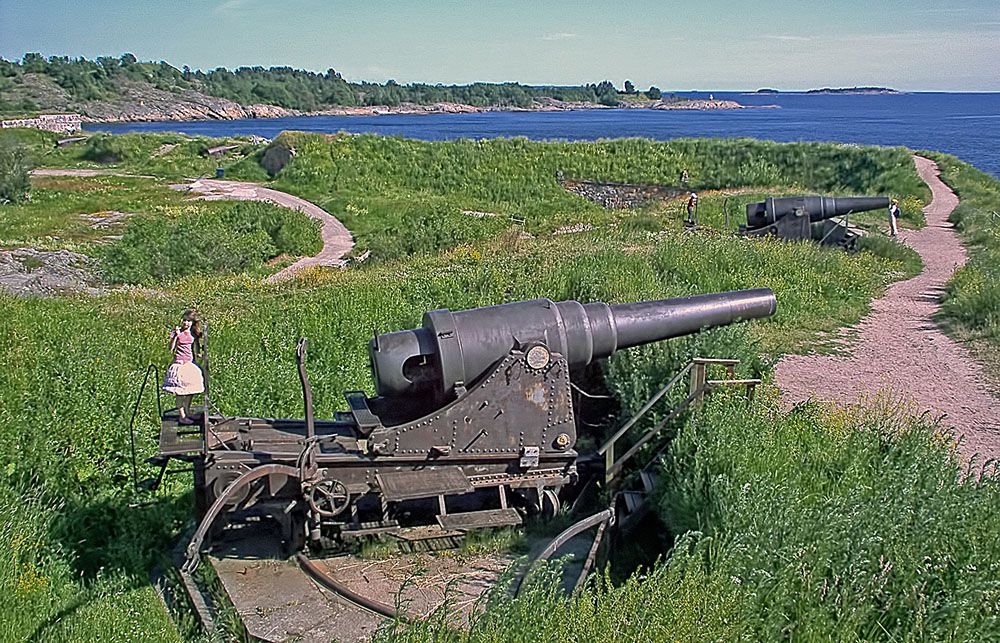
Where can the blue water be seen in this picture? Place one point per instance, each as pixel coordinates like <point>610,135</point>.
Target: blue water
<point>966,125</point>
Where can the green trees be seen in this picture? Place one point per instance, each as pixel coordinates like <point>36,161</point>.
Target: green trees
<point>654,93</point>
<point>15,166</point>
<point>102,78</point>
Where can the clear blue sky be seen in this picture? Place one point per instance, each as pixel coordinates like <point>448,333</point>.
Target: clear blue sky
<point>698,44</point>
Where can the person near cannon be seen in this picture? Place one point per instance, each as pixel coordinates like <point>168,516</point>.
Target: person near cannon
<point>893,216</point>
<point>184,378</point>
<point>692,207</point>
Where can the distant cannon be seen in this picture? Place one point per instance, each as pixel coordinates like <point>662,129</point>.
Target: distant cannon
<point>810,217</point>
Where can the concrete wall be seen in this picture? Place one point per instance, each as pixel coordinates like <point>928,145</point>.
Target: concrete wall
<point>60,123</point>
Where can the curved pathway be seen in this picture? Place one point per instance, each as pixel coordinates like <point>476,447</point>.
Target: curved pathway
<point>337,240</point>
<point>901,351</point>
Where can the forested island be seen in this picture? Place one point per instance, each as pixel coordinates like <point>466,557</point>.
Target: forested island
<point>126,89</point>
<point>854,90</point>
<point>835,90</point>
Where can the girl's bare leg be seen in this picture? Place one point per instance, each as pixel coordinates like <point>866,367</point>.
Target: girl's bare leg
<point>183,404</point>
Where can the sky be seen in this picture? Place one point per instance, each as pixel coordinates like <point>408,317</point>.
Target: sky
<point>914,45</point>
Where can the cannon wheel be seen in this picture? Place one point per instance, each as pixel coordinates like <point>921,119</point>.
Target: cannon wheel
<point>602,519</point>
<point>236,486</point>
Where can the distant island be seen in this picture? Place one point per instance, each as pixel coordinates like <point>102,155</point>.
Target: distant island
<point>123,89</point>
<point>854,90</point>
<point>835,90</point>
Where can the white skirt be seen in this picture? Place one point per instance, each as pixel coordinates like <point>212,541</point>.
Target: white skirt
<point>184,379</point>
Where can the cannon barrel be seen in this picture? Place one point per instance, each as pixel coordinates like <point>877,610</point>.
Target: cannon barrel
<point>454,349</point>
<point>817,208</point>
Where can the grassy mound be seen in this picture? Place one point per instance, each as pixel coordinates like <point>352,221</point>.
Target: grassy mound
<point>230,238</point>
<point>382,187</point>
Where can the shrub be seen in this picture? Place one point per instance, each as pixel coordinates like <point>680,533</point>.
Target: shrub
<point>15,168</point>
<point>108,148</point>
<point>226,239</point>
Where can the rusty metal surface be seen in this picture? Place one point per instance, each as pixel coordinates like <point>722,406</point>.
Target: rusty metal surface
<point>278,601</point>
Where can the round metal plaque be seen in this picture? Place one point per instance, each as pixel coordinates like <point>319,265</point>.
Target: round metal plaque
<point>538,357</point>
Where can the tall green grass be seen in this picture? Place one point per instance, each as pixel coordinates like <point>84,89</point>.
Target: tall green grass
<point>790,526</point>
<point>65,404</point>
<point>64,409</point>
<point>381,186</point>
<point>226,238</point>
<point>972,296</point>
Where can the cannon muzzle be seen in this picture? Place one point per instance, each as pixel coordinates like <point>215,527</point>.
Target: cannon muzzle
<point>817,208</point>
<point>454,349</point>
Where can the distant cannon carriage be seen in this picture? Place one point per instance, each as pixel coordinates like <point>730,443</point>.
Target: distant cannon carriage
<point>820,218</point>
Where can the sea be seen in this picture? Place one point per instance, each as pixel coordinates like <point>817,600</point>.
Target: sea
<point>964,124</point>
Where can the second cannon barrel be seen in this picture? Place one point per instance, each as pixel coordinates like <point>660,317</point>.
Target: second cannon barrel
<point>817,208</point>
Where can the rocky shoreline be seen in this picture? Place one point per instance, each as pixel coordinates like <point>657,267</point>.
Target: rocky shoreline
<point>156,105</point>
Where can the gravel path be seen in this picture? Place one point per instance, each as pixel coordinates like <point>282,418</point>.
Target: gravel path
<point>337,240</point>
<point>901,351</point>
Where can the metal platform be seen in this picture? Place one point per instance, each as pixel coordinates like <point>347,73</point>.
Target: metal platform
<point>278,601</point>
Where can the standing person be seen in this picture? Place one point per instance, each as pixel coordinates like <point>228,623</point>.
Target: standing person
<point>684,178</point>
<point>893,215</point>
<point>184,378</point>
<point>692,207</point>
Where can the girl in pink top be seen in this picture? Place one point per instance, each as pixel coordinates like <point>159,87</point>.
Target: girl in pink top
<point>184,378</point>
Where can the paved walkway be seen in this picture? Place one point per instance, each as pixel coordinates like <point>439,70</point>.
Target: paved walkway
<point>901,351</point>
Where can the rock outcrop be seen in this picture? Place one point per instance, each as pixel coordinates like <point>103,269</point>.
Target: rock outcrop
<point>30,272</point>
<point>140,102</point>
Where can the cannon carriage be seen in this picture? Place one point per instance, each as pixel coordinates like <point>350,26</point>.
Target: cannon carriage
<point>820,218</point>
<point>473,424</point>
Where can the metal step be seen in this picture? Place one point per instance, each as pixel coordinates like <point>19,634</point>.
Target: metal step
<point>650,479</point>
<point>480,519</point>
<point>636,508</point>
<point>179,439</point>
<point>426,483</point>
<point>634,501</point>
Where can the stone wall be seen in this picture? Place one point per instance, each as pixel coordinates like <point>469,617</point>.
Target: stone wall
<point>620,196</point>
<point>61,123</point>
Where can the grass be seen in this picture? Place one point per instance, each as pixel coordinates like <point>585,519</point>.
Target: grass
<point>379,186</point>
<point>77,394</point>
<point>232,237</point>
<point>165,155</point>
<point>55,217</point>
<point>806,525</point>
<point>971,304</point>
<point>64,465</point>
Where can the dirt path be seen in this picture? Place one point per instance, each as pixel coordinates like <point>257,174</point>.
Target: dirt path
<point>337,240</point>
<point>901,351</point>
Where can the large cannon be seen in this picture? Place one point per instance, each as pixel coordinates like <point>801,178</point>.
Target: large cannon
<point>473,424</point>
<point>810,217</point>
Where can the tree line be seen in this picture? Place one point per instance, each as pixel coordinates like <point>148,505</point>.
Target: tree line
<point>101,79</point>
